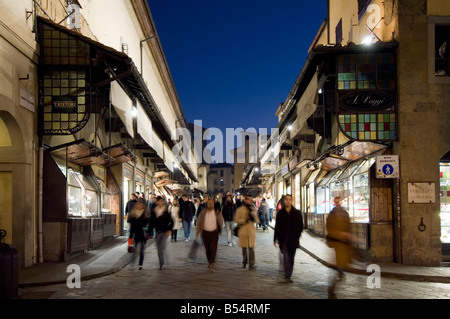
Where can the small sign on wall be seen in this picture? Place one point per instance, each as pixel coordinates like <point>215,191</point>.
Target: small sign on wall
<point>387,166</point>
<point>421,193</point>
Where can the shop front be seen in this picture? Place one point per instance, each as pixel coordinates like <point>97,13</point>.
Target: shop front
<point>444,195</point>
<point>366,198</point>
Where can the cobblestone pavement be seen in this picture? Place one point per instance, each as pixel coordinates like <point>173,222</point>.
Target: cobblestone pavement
<point>183,278</point>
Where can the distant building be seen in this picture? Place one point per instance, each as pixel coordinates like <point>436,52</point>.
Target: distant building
<point>221,179</point>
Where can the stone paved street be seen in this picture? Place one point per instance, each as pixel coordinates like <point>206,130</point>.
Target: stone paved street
<point>183,278</point>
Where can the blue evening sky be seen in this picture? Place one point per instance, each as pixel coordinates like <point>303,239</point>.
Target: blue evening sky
<point>233,62</point>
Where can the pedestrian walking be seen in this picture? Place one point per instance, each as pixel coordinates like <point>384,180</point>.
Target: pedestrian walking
<point>288,229</point>
<point>339,237</point>
<point>228,210</point>
<point>128,207</point>
<point>201,206</point>
<point>138,219</point>
<point>187,212</point>
<point>174,210</point>
<point>264,212</point>
<point>246,216</point>
<point>162,223</point>
<point>209,226</point>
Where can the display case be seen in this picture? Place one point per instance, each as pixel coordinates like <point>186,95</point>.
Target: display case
<point>74,195</point>
<point>105,204</point>
<point>444,196</point>
<point>90,197</point>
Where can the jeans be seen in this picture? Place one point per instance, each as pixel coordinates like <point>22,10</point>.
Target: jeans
<point>265,220</point>
<point>187,228</point>
<point>229,228</point>
<point>161,240</point>
<point>141,251</point>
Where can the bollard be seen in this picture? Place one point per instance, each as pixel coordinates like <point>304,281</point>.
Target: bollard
<point>9,270</point>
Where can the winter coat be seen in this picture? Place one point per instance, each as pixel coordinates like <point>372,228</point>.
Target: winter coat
<point>245,217</point>
<point>138,220</point>
<point>201,221</point>
<point>162,223</point>
<point>228,211</point>
<point>288,228</point>
<point>174,212</point>
<point>187,210</point>
<point>338,226</point>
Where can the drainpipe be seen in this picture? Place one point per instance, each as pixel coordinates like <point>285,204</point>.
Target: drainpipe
<point>40,199</point>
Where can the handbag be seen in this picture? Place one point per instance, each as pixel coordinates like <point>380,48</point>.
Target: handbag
<point>193,250</point>
<point>236,231</point>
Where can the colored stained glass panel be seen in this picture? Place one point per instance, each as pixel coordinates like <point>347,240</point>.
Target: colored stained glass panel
<point>369,126</point>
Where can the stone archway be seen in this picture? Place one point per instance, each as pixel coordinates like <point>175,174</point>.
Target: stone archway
<point>13,176</point>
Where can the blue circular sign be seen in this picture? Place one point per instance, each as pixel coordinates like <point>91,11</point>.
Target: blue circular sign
<point>388,169</point>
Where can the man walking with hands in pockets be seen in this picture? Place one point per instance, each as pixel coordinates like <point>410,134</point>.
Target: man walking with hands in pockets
<point>288,229</point>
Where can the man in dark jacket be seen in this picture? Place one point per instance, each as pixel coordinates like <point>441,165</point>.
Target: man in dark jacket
<point>187,213</point>
<point>288,228</point>
<point>228,210</point>
<point>162,222</point>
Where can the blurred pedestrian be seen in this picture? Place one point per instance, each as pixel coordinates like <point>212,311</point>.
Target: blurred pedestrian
<point>187,212</point>
<point>209,226</point>
<point>264,212</point>
<point>138,219</point>
<point>228,211</point>
<point>162,222</point>
<point>201,206</point>
<point>339,237</point>
<point>288,229</point>
<point>246,216</point>
<point>174,210</point>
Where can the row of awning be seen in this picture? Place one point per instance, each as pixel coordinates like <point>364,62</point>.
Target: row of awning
<point>148,128</point>
<point>84,153</point>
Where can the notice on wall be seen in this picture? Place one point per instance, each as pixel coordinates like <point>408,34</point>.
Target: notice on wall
<point>387,166</point>
<point>421,193</point>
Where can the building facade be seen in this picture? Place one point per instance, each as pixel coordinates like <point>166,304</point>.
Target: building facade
<point>367,119</point>
<point>89,107</point>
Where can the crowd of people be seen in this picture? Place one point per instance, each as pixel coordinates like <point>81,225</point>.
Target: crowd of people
<point>240,217</point>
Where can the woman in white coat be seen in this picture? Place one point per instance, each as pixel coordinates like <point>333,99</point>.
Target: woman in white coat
<point>174,210</point>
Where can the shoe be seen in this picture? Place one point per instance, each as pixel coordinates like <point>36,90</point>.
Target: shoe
<point>186,240</point>
<point>140,267</point>
<point>161,267</point>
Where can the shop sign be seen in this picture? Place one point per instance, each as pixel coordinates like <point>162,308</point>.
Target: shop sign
<point>367,101</point>
<point>293,163</point>
<point>421,193</point>
<point>387,166</point>
<point>64,104</point>
<point>285,170</point>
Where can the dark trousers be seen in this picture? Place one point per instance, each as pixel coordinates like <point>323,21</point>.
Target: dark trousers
<point>174,234</point>
<point>210,240</point>
<point>288,259</point>
<point>248,255</point>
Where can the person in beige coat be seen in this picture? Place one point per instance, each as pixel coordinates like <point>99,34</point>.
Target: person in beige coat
<point>340,238</point>
<point>246,216</point>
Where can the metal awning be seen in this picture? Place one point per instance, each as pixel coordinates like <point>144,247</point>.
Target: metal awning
<point>340,155</point>
<point>120,153</point>
<point>82,153</point>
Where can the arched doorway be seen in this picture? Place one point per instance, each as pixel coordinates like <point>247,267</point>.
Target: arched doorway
<point>13,172</point>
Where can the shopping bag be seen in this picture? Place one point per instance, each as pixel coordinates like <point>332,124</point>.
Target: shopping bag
<point>193,250</point>
<point>130,245</point>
